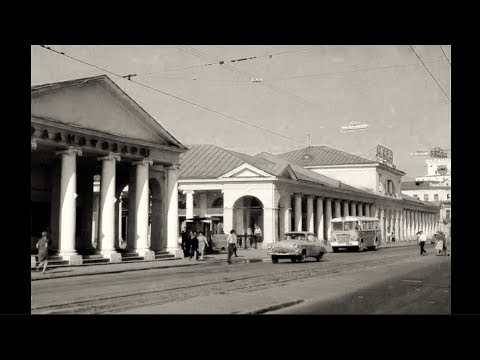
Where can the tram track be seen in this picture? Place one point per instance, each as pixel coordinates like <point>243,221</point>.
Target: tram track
<point>120,302</point>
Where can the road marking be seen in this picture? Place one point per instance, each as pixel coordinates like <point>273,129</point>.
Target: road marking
<point>416,281</point>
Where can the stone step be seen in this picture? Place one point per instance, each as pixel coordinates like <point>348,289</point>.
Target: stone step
<point>132,258</point>
<point>95,261</point>
<point>129,254</point>
<point>164,256</point>
<point>95,256</point>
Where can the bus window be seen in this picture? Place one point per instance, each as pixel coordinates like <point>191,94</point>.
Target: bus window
<point>337,226</point>
<point>350,225</point>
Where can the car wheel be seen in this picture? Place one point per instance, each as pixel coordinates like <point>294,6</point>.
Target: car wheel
<point>361,247</point>
<point>274,259</point>
<point>319,256</point>
<point>303,257</point>
<point>294,259</point>
<point>335,249</point>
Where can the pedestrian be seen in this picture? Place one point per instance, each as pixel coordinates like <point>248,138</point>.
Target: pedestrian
<point>202,243</point>
<point>439,243</point>
<point>249,236</point>
<point>231,241</point>
<point>257,235</point>
<point>393,236</point>
<point>422,239</point>
<point>194,246</point>
<point>445,252</point>
<point>186,243</point>
<point>42,246</point>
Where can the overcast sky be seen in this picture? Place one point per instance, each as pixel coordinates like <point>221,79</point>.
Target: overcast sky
<point>328,86</point>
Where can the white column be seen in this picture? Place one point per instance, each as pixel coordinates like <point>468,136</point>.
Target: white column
<point>68,189</point>
<point>298,212</point>
<point>397,225</point>
<point>310,219</point>
<point>189,211</point>
<point>203,204</point>
<point>120,202</point>
<point>338,209</point>
<point>404,226</point>
<point>141,206</point>
<point>412,224</point>
<point>382,225</point>
<point>346,211</point>
<point>328,218</point>
<point>353,209</point>
<point>320,223</point>
<point>270,216</point>
<point>106,229</point>
<point>373,211</point>
<point>359,209</point>
<point>228,219</point>
<point>285,214</point>
<point>367,210</point>
<point>172,211</point>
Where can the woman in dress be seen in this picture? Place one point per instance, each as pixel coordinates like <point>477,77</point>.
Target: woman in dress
<point>439,244</point>
<point>202,242</point>
<point>42,246</point>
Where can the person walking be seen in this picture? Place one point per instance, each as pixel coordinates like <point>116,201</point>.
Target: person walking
<point>231,241</point>
<point>439,243</point>
<point>186,242</point>
<point>202,243</point>
<point>393,236</point>
<point>42,246</point>
<point>257,235</point>
<point>194,246</point>
<point>422,239</point>
<point>249,237</point>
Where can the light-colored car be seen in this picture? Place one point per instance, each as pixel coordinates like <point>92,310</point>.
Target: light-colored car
<point>297,246</point>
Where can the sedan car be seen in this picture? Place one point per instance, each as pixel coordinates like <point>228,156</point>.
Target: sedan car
<point>297,246</point>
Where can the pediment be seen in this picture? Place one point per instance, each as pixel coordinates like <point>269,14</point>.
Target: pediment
<point>246,171</point>
<point>288,173</point>
<point>98,104</point>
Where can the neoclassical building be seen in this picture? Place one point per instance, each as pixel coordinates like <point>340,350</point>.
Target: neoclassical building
<point>88,129</point>
<point>280,193</point>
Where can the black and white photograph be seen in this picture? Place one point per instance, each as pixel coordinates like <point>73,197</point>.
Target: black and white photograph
<point>241,180</point>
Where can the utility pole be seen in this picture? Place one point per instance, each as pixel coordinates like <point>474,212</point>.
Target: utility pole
<point>308,139</point>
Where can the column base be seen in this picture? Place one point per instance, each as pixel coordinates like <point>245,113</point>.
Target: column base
<point>113,256</point>
<point>146,253</point>
<point>176,251</point>
<point>72,259</point>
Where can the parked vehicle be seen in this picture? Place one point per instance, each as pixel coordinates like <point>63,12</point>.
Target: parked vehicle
<point>297,246</point>
<point>357,232</point>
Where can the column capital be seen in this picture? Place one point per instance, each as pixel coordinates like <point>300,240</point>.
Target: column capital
<point>70,151</point>
<point>109,157</point>
<point>143,162</point>
<point>189,192</point>
<point>173,167</point>
<point>298,194</point>
<point>311,197</point>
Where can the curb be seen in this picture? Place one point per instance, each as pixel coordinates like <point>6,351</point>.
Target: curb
<point>269,308</point>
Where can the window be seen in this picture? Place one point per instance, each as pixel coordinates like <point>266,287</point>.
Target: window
<point>337,226</point>
<point>448,196</point>
<point>415,196</point>
<point>218,203</point>
<point>447,214</point>
<point>350,225</point>
<point>311,238</point>
<point>425,197</point>
<point>435,197</point>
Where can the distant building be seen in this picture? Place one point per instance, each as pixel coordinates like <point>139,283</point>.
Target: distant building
<point>435,187</point>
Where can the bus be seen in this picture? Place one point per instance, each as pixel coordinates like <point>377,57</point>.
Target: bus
<point>356,232</point>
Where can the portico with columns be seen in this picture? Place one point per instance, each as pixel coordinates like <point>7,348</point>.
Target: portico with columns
<point>96,156</point>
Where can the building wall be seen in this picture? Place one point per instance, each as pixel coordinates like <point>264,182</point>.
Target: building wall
<point>443,194</point>
<point>360,177</point>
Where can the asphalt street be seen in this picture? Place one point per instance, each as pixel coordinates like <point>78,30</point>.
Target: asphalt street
<point>184,289</point>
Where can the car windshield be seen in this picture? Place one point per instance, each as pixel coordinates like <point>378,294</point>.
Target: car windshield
<point>352,225</point>
<point>337,226</point>
<point>294,237</point>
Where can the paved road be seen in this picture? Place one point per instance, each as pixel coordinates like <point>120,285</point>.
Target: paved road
<point>132,290</point>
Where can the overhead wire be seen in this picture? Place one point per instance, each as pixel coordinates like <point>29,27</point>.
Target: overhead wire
<point>240,72</point>
<point>433,77</point>
<point>174,96</point>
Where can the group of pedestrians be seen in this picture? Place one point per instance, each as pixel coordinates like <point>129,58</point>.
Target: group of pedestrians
<point>194,244</point>
<point>251,236</point>
<point>440,243</point>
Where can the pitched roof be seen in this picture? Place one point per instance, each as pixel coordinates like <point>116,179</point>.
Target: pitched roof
<point>322,156</point>
<point>423,185</point>
<point>417,201</point>
<point>39,89</point>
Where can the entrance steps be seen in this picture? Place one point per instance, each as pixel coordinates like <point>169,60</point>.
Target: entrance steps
<point>55,261</point>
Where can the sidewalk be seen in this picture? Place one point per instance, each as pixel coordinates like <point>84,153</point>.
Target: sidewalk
<point>249,255</point>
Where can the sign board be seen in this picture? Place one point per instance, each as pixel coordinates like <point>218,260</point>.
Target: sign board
<point>384,153</point>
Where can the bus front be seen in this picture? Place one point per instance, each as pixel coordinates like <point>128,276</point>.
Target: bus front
<point>345,233</point>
